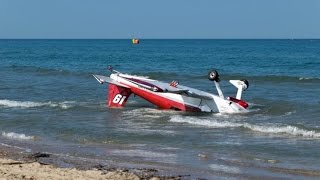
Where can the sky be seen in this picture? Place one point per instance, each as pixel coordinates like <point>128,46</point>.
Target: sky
<point>159,19</point>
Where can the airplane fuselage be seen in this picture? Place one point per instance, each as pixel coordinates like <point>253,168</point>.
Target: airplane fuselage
<point>166,95</point>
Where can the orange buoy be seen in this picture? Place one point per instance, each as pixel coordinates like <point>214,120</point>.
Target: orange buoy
<point>135,41</point>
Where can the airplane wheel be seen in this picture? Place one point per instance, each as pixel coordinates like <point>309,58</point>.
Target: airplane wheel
<point>246,82</point>
<point>213,75</point>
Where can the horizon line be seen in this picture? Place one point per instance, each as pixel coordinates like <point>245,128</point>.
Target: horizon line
<point>160,38</point>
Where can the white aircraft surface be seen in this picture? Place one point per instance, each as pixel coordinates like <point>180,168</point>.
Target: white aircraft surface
<point>173,95</point>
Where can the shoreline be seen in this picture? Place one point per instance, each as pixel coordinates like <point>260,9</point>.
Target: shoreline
<point>17,164</point>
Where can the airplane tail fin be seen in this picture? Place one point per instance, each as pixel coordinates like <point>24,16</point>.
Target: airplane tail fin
<point>117,95</point>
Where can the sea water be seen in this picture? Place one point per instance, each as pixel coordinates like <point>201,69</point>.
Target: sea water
<point>49,101</point>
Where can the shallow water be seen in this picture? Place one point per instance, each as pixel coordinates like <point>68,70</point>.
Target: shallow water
<point>50,101</point>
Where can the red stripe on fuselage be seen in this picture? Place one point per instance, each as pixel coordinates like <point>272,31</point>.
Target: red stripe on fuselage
<point>158,89</point>
<point>162,102</point>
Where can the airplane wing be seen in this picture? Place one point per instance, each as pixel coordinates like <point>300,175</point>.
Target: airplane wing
<point>177,91</point>
<point>104,79</point>
<point>189,93</point>
<point>198,95</point>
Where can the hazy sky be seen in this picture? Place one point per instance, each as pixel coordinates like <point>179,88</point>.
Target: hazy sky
<point>160,18</point>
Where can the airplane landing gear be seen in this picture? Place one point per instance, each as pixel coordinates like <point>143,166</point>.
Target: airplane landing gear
<point>213,75</point>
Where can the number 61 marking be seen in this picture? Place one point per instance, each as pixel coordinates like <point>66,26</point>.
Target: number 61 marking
<point>118,99</point>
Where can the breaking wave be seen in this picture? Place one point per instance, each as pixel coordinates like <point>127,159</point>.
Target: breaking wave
<point>30,104</point>
<point>308,78</point>
<point>13,135</point>
<point>262,128</point>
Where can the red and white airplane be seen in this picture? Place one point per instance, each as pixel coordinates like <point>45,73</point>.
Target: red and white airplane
<point>173,95</point>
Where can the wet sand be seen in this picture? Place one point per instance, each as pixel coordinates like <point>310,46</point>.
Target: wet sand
<point>15,164</point>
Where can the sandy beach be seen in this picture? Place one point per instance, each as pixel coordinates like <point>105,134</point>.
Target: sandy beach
<point>11,169</point>
<point>16,164</point>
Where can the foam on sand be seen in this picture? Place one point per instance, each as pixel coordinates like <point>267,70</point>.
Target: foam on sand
<point>263,128</point>
<point>30,104</point>
<point>13,135</point>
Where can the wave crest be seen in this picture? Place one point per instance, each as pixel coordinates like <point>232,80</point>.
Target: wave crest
<point>30,104</point>
<point>263,128</point>
<point>13,135</point>
<point>274,78</point>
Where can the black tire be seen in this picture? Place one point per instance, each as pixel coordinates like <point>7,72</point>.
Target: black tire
<point>213,75</point>
<point>246,82</point>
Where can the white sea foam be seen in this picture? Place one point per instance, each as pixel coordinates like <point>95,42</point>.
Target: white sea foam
<point>145,130</point>
<point>308,78</point>
<point>170,148</point>
<point>149,114</point>
<point>224,168</point>
<point>143,153</point>
<point>263,128</point>
<point>152,116</point>
<point>204,122</point>
<point>283,129</point>
<point>157,156</point>
<point>146,111</point>
<point>137,145</point>
<point>13,135</point>
<point>30,104</point>
<point>289,113</point>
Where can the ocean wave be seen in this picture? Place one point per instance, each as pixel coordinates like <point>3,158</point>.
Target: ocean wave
<point>308,78</point>
<point>258,79</point>
<point>143,153</point>
<point>141,129</point>
<point>268,78</point>
<point>147,113</point>
<point>30,104</point>
<point>157,75</point>
<point>276,78</point>
<point>22,68</point>
<point>13,135</point>
<point>283,129</point>
<point>43,71</point>
<point>225,168</point>
<point>262,128</point>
